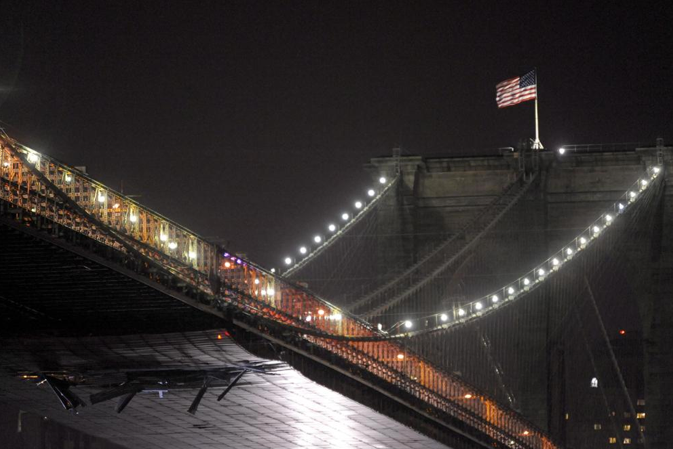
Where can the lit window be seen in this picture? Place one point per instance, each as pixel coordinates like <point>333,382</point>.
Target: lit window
<point>640,415</point>
<point>612,440</point>
<point>627,427</point>
<point>594,383</point>
<point>567,416</point>
<point>597,427</point>
<point>627,440</point>
<point>641,402</point>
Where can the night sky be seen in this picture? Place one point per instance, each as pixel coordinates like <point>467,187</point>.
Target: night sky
<point>251,121</point>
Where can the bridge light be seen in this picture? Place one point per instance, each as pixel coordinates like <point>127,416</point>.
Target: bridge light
<point>67,177</point>
<point>337,316</point>
<point>133,218</point>
<point>656,170</point>
<point>443,317</point>
<point>526,281</point>
<point>227,264</point>
<point>461,312</point>
<point>331,227</point>
<point>371,192</point>
<point>303,250</point>
<point>115,206</point>
<point>569,251</point>
<point>561,151</point>
<point>408,324</point>
<point>526,433</point>
<point>510,291</point>
<point>467,396</point>
<point>317,239</point>
<point>101,197</point>
<point>400,356</point>
<point>273,270</point>
<point>270,291</point>
<point>256,281</point>
<point>596,229</point>
<point>163,237</point>
<point>632,195</point>
<point>6,164</point>
<point>620,206</point>
<point>288,261</point>
<point>379,326</point>
<point>192,255</point>
<point>643,183</point>
<point>345,216</point>
<point>541,272</point>
<point>33,158</point>
<point>321,312</point>
<point>555,262</point>
<point>358,204</point>
<point>608,218</point>
<point>583,241</point>
<point>172,245</point>
<point>308,319</point>
<point>495,298</point>
<point>478,306</point>
<point>382,180</point>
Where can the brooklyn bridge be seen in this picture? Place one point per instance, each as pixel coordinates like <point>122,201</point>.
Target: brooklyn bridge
<point>518,300</point>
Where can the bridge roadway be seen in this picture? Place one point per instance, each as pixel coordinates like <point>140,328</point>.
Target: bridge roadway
<point>107,265</point>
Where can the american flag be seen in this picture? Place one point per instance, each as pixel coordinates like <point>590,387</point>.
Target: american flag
<point>516,90</point>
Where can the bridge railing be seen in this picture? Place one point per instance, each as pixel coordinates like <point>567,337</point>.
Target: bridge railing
<point>108,216</point>
<point>271,297</point>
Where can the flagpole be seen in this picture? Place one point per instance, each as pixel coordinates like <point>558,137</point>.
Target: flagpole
<point>537,145</point>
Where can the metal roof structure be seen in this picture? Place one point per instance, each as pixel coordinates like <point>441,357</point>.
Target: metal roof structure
<point>282,409</point>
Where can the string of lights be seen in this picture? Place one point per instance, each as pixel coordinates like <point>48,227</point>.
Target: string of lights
<point>322,241</point>
<point>471,310</point>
